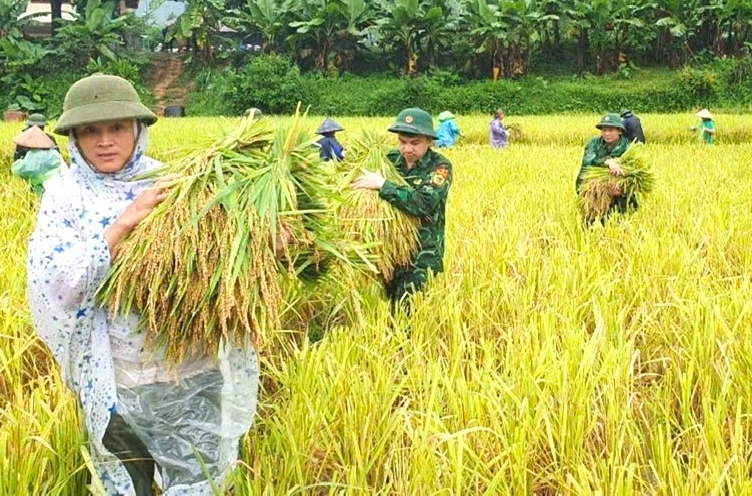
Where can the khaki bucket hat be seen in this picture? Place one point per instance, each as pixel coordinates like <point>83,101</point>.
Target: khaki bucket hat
<point>36,120</point>
<point>99,98</point>
<point>34,138</point>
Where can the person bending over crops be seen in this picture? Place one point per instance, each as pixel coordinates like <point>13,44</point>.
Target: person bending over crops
<point>141,414</point>
<point>429,175</point>
<point>41,163</point>
<point>330,148</point>
<point>632,126</point>
<point>448,131</point>
<point>601,151</point>
<point>34,120</point>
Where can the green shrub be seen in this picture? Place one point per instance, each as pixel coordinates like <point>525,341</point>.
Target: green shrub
<point>697,85</point>
<point>269,82</point>
<point>275,85</point>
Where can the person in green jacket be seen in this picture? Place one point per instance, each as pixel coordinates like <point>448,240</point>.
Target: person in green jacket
<point>429,176</point>
<point>601,151</point>
<point>706,129</point>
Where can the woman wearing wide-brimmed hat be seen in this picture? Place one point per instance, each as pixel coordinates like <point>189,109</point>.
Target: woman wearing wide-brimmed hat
<point>183,420</point>
<point>706,129</point>
<point>38,121</point>
<point>330,148</point>
<point>41,162</point>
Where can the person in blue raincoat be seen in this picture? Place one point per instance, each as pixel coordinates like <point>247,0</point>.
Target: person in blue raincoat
<point>448,130</point>
<point>330,148</point>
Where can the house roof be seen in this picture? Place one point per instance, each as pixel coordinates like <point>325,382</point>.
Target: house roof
<point>42,15</point>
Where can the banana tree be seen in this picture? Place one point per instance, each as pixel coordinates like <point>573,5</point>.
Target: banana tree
<point>402,23</point>
<point>676,24</point>
<point>632,31</point>
<point>10,24</point>
<point>722,23</point>
<point>200,21</point>
<point>440,27</point>
<point>486,31</point>
<point>333,27</point>
<point>269,18</point>
<point>592,24</point>
<point>94,33</point>
<point>509,31</point>
<point>526,23</point>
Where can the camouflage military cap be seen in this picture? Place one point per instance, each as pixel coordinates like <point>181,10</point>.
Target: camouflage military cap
<point>612,121</point>
<point>414,121</point>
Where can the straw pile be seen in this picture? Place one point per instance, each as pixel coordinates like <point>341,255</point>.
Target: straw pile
<point>365,218</point>
<point>206,266</point>
<point>636,181</point>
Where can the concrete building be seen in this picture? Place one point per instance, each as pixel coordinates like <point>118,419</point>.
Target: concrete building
<point>41,12</point>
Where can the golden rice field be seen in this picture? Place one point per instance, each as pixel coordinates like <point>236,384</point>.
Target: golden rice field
<point>546,360</point>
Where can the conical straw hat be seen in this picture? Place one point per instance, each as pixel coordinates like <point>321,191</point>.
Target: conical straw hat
<point>34,138</point>
<point>704,114</point>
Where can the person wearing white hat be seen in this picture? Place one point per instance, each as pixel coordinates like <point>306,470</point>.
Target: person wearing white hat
<point>706,129</point>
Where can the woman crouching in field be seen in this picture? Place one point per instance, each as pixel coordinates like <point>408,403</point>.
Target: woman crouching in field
<point>143,416</point>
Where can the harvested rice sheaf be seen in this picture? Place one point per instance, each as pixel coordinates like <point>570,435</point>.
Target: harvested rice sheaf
<point>366,218</point>
<point>213,263</point>
<point>636,181</point>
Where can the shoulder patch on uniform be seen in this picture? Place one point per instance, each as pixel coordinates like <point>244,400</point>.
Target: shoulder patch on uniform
<point>440,175</point>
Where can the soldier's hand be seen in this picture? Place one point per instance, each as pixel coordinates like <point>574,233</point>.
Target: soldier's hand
<point>614,168</point>
<point>369,180</point>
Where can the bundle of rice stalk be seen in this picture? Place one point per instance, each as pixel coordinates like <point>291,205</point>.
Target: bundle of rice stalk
<point>636,180</point>
<point>204,267</point>
<point>515,132</point>
<point>366,218</point>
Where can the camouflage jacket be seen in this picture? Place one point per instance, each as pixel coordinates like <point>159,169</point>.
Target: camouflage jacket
<point>425,198</point>
<point>597,152</point>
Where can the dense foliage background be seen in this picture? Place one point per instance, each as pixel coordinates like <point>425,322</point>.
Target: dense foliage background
<point>373,57</point>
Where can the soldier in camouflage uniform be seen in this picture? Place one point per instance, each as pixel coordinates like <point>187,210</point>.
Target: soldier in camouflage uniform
<point>429,175</point>
<point>601,151</point>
